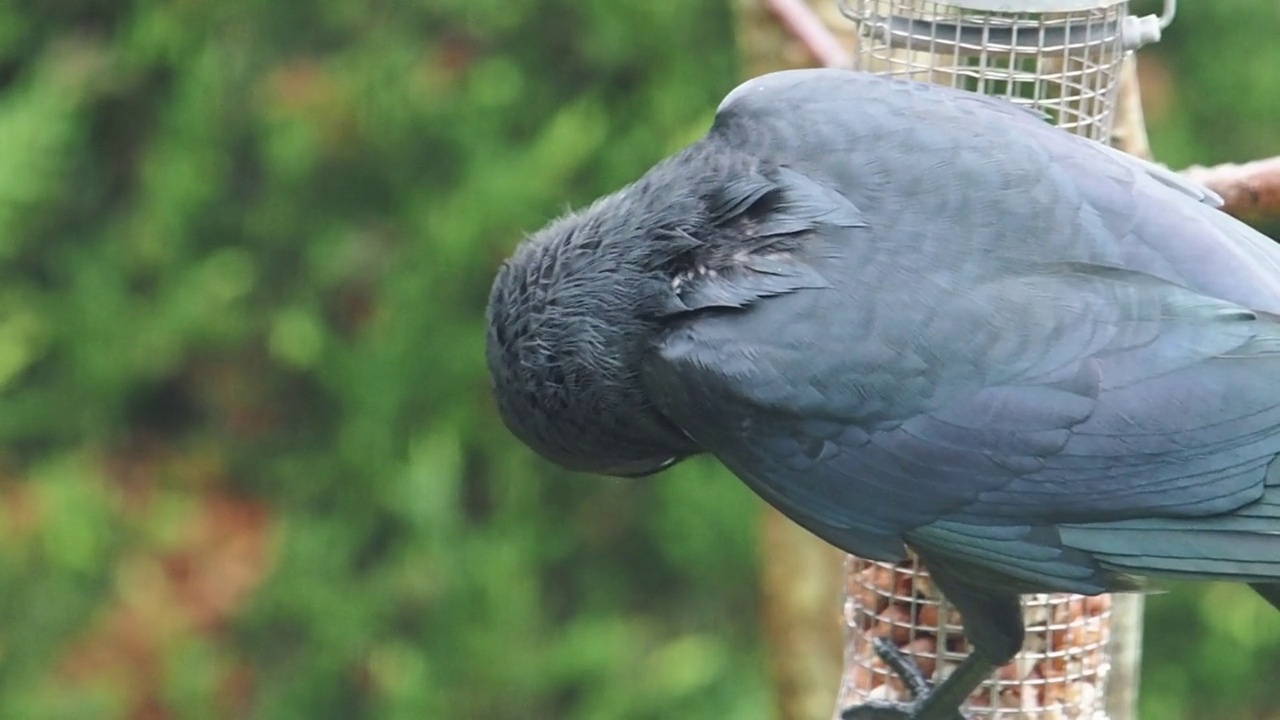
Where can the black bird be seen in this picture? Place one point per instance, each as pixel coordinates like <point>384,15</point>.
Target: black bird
<point>910,316</point>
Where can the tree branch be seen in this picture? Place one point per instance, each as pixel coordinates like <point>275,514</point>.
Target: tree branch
<point>810,31</point>
<point>1251,190</point>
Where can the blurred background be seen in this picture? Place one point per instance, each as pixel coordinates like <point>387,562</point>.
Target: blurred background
<point>249,466</point>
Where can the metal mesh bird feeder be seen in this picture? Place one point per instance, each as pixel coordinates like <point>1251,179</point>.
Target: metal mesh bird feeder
<point>1064,58</point>
<point>1061,674</point>
<point>1061,56</point>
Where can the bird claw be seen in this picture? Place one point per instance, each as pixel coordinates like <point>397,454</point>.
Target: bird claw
<point>912,676</point>
<point>888,710</point>
<point>878,710</point>
<point>904,667</point>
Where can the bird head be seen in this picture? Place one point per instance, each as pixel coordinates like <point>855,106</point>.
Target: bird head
<point>571,317</point>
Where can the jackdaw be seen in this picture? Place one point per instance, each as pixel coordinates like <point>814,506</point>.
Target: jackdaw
<point>915,317</point>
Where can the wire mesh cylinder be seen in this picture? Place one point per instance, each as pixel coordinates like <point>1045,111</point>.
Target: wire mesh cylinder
<point>1060,674</point>
<point>1066,62</point>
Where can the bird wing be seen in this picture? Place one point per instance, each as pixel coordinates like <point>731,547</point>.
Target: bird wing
<point>1009,353</point>
<point>1118,396</point>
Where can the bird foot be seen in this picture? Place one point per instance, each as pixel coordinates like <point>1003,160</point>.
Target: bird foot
<point>888,710</point>
<point>879,710</point>
<point>913,677</point>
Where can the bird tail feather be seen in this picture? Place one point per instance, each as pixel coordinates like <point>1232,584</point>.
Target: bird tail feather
<point>1243,546</point>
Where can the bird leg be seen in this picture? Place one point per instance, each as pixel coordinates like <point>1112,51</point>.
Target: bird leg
<point>931,703</point>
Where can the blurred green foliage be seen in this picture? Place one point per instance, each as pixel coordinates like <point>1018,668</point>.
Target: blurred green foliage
<point>251,468</point>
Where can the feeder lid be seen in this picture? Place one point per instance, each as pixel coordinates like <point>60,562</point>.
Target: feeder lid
<point>1035,6</point>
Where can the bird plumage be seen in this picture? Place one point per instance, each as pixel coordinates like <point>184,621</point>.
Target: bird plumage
<point>912,316</point>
